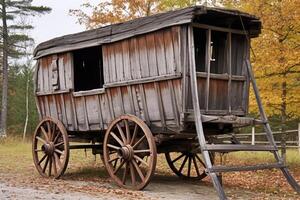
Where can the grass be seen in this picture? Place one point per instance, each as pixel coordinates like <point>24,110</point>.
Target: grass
<point>16,158</point>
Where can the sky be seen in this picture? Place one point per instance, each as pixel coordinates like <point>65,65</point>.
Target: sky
<point>58,22</point>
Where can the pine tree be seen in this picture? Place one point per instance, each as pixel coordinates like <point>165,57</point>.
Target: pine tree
<point>10,11</point>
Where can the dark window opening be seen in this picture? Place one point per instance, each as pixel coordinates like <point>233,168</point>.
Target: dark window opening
<point>218,61</point>
<point>88,69</point>
<point>200,48</point>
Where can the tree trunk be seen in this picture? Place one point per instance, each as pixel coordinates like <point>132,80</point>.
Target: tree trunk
<point>27,108</point>
<point>283,118</point>
<point>3,120</point>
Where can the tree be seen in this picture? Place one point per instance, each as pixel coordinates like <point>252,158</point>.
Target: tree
<point>115,11</point>
<point>277,55</point>
<point>10,10</point>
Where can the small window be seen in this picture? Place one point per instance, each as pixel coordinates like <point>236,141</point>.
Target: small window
<point>200,48</point>
<point>88,69</point>
<point>218,52</point>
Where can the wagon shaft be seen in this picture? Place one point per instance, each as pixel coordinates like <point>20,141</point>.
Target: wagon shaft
<point>167,83</point>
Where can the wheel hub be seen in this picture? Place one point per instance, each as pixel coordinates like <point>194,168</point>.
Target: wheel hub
<point>126,152</point>
<point>48,148</point>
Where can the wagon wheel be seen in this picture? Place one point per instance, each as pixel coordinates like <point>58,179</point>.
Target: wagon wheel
<point>187,165</point>
<point>129,152</point>
<point>50,148</point>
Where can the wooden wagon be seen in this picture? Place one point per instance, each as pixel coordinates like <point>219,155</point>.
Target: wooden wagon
<point>167,83</point>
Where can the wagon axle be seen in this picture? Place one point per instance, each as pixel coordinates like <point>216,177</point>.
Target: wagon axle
<point>48,148</point>
<point>126,152</point>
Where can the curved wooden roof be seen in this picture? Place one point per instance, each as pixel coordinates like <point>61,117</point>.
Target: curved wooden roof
<point>120,31</point>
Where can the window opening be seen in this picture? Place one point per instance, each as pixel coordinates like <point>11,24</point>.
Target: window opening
<point>88,69</point>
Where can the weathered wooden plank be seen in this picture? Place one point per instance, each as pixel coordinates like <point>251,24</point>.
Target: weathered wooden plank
<point>207,67</point>
<point>69,72</point>
<point>151,102</point>
<point>101,123</point>
<point>47,109</point>
<point>130,96</point>
<point>110,104</point>
<point>73,112</point>
<point>166,100</point>
<point>49,69</point>
<point>160,53</point>
<point>112,64</point>
<point>86,117</point>
<point>137,101</point>
<point>134,59</point>
<point>126,60</point>
<point>63,109</point>
<point>152,59</point>
<point>119,61</point>
<point>143,56</point>
<point>80,113</point>
<point>121,101</point>
<point>175,31</point>
<point>144,104</point>
<point>169,51</point>
<point>61,71</point>
<point>174,102</point>
<point>229,66</point>
<point>106,64</point>
<point>45,75</point>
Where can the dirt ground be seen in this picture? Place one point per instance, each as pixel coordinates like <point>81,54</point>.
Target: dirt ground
<point>161,187</point>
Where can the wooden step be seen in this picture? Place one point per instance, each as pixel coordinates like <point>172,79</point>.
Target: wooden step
<point>238,147</point>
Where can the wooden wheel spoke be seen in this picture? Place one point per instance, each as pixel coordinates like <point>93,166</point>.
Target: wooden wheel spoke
<point>54,165</point>
<point>200,160</point>
<point>116,138</point>
<point>132,174</point>
<point>46,163</point>
<point>141,160</point>
<point>59,151</point>
<point>57,160</point>
<point>54,131</point>
<point>134,134</point>
<point>173,161</point>
<point>127,131</point>
<point>189,167</point>
<point>49,130</point>
<point>56,137</point>
<point>142,151</point>
<point>113,159</point>
<point>122,134</point>
<point>45,134</point>
<point>58,144</point>
<point>183,163</point>
<point>125,173</point>
<point>40,139</point>
<point>38,150</point>
<point>196,166</point>
<point>42,159</point>
<point>139,141</point>
<point>113,146</point>
<point>139,171</point>
<point>119,167</point>
<point>50,166</point>
<point>115,164</point>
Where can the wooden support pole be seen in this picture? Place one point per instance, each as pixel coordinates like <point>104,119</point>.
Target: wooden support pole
<point>253,135</point>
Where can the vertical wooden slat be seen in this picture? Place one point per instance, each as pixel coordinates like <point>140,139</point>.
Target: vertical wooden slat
<point>126,60</point>
<point>160,104</point>
<point>131,99</point>
<point>160,53</point>
<point>184,61</point>
<point>143,56</point>
<point>207,66</point>
<point>74,116</point>
<point>174,103</point>
<point>169,51</point>
<point>229,94</point>
<point>176,47</point>
<point>121,102</point>
<point>63,108</point>
<point>86,117</point>
<point>100,113</point>
<point>145,108</point>
<point>69,70</point>
<point>105,64</point>
<point>134,59</point>
<point>152,59</point>
<point>112,64</point>
<point>119,61</point>
<point>109,100</point>
<point>61,71</point>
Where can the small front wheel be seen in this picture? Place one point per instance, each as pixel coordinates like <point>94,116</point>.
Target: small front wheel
<point>129,152</point>
<point>50,148</point>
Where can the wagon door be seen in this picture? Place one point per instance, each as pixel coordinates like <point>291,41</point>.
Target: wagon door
<point>221,75</point>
